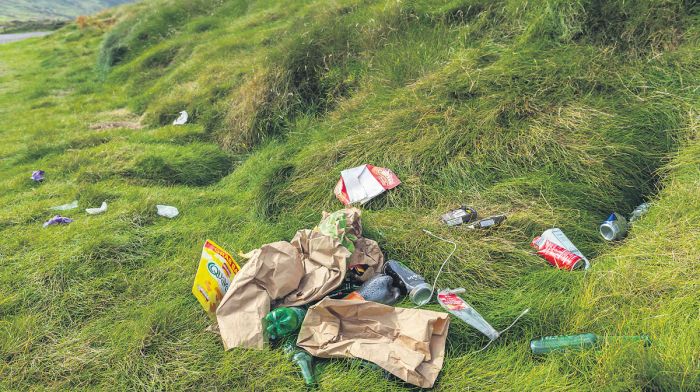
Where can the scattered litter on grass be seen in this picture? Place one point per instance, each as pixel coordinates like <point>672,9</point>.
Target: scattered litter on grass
<point>167,211</point>
<point>58,219</point>
<point>557,237</point>
<point>582,341</point>
<point>303,360</point>
<point>283,321</point>
<point>339,329</point>
<point>487,222</point>
<point>99,210</point>
<point>614,228</point>
<point>66,207</point>
<point>38,175</point>
<point>291,273</point>
<point>449,300</point>
<point>410,283</point>
<point>363,183</point>
<point>182,119</point>
<point>214,274</point>
<point>377,289</point>
<point>460,216</point>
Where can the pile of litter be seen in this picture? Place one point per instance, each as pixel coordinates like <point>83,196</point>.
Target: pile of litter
<point>328,293</point>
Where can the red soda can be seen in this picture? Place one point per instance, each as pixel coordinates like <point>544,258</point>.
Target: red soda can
<point>556,255</point>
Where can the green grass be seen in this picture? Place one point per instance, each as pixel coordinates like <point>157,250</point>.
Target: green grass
<point>552,112</point>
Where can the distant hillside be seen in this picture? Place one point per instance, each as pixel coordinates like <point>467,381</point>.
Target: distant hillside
<point>52,9</point>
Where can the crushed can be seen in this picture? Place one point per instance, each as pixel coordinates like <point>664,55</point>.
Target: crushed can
<point>556,255</point>
<point>614,228</point>
<point>409,282</point>
<point>459,216</point>
<point>556,236</point>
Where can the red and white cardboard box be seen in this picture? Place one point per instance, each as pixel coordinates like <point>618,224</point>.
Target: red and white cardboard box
<point>363,183</point>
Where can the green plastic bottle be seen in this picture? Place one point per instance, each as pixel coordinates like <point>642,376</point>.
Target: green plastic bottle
<point>283,321</point>
<point>549,344</point>
<point>303,359</point>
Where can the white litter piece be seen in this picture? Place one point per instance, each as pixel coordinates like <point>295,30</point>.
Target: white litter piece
<point>167,211</point>
<point>95,211</point>
<point>362,183</point>
<point>182,120</point>
<point>66,207</point>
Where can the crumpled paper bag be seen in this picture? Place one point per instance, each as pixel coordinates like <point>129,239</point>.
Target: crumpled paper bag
<point>408,343</point>
<point>296,272</point>
<point>345,225</point>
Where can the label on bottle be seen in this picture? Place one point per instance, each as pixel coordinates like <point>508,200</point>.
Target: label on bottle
<point>451,301</point>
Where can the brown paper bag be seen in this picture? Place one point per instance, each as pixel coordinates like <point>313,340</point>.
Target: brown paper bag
<point>409,343</point>
<point>365,252</point>
<point>300,271</point>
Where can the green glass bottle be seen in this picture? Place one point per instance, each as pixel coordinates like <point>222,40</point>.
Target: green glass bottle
<point>549,344</point>
<point>303,359</point>
<point>283,321</point>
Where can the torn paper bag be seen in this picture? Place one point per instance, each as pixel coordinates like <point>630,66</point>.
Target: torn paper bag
<point>367,258</point>
<point>408,343</point>
<point>295,273</point>
<point>363,183</point>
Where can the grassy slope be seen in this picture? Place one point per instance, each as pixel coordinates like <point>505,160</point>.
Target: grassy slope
<point>549,112</point>
<point>52,9</point>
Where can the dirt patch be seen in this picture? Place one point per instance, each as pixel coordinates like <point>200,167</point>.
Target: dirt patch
<point>116,124</point>
<point>118,118</point>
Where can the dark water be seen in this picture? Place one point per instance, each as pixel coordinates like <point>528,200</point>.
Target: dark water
<point>7,38</point>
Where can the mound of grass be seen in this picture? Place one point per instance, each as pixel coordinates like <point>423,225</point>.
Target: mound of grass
<point>191,164</point>
<point>553,112</point>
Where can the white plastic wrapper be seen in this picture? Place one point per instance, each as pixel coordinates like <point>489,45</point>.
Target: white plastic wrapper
<point>66,207</point>
<point>167,211</point>
<point>99,210</point>
<point>182,120</point>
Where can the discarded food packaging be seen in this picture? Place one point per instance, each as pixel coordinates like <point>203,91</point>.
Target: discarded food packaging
<point>556,236</point>
<point>214,274</point>
<point>167,211</point>
<point>290,273</point>
<point>38,175</point>
<point>66,207</point>
<point>363,183</point>
<point>182,118</point>
<point>94,211</point>
<point>58,220</point>
<point>408,343</point>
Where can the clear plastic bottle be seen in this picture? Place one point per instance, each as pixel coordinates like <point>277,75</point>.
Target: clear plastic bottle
<point>639,211</point>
